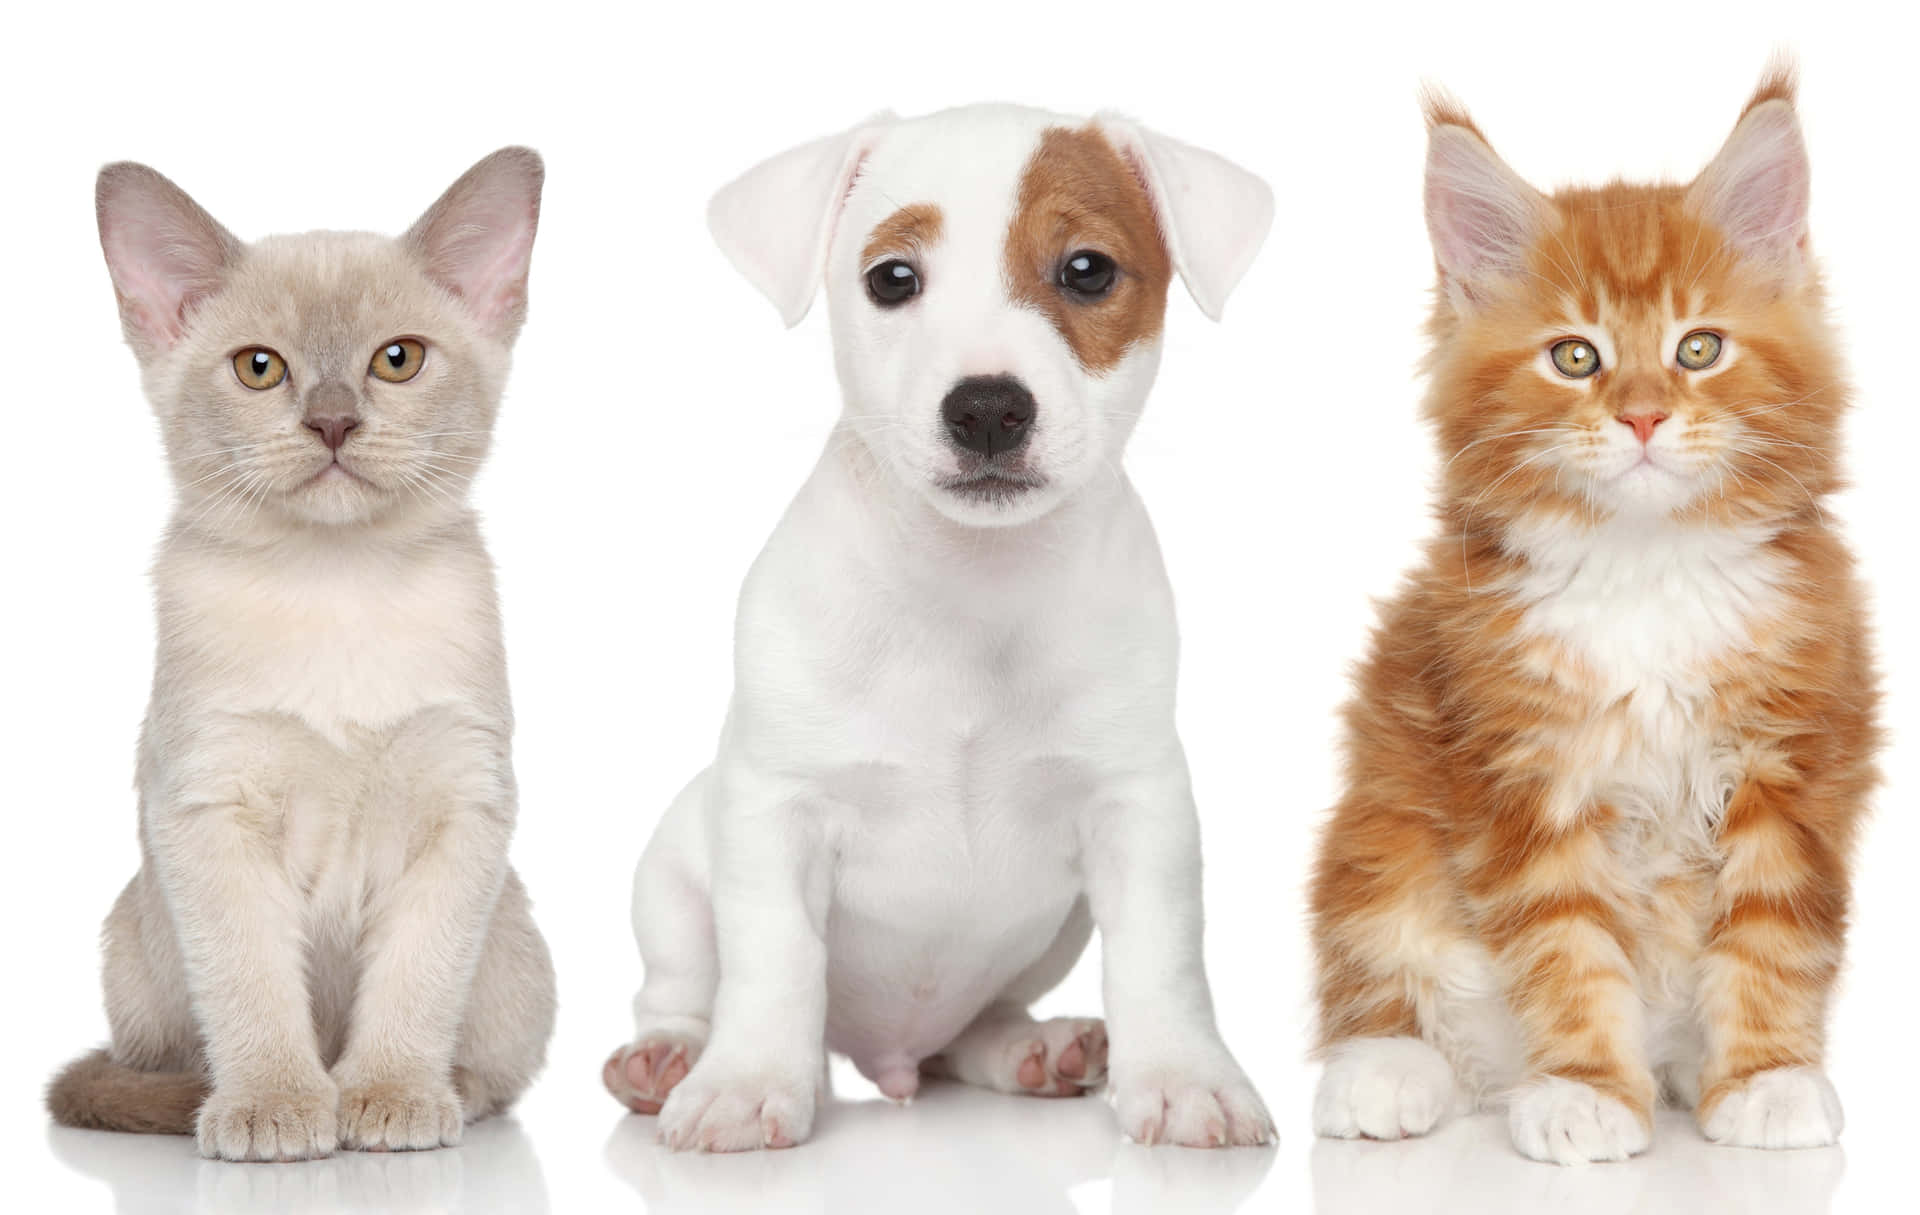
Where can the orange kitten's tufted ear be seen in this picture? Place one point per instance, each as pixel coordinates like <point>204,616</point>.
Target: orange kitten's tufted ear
<point>477,240</point>
<point>1481,215</point>
<point>775,221</point>
<point>1756,189</point>
<point>165,254</point>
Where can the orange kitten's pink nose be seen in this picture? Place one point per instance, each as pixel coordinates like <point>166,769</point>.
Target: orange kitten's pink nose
<point>332,428</point>
<point>1643,422</point>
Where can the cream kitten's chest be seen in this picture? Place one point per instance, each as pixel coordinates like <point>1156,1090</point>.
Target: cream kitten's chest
<point>336,644</point>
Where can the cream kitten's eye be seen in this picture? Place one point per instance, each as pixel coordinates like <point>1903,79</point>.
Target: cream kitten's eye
<point>399,360</point>
<point>1575,359</point>
<point>259,368</point>
<point>1698,350</point>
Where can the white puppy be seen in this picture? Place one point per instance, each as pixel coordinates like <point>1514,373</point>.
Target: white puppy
<point>951,748</point>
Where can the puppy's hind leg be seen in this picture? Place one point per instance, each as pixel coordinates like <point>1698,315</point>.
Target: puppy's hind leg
<point>1008,1051</point>
<point>503,1041</point>
<point>673,923</point>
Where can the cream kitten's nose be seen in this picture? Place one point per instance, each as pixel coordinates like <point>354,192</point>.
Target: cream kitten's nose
<point>332,428</point>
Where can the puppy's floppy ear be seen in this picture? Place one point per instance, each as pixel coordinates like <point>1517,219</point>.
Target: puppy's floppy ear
<point>1757,186</point>
<point>775,221</point>
<point>1214,215</point>
<point>477,239</point>
<point>165,254</point>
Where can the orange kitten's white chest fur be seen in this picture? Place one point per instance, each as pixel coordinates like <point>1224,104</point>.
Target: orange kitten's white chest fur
<point>1637,617</point>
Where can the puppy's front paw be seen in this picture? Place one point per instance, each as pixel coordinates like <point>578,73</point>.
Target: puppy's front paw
<point>1193,1105</point>
<point>727,1107</point>
<point>1382,1088</point>
<point>394,1116</point>
<point>268,1123</point>
<point>642,1074</point>
<point>1784,1107</point>
<point>1561,1121</point>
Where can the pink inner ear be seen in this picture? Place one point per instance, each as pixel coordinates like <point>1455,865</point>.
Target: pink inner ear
<point>1480,215</point>
<point>165,254</point>
<point>477,240</point>
<point>1756,189</point>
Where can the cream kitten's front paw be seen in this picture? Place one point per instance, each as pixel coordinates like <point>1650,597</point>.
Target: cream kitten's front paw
<point>1562,1121</point>
<point>261,1123</point>
<point>1786,1107</point>
<point>726,1107</point>
<point>1204,1105</point>
<point>1382,1088</point>
<point>394,1116</point>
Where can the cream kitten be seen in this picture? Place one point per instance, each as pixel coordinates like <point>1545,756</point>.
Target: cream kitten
<point>324,946</point>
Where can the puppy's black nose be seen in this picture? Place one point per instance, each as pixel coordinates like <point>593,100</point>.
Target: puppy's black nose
<point>989,414</point>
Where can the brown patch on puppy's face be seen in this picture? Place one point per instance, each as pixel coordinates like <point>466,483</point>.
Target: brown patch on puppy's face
<point>904,233</point>
<point>1078,194</point>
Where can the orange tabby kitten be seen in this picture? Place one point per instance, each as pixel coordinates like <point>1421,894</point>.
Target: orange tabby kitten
<point>1609,753</point>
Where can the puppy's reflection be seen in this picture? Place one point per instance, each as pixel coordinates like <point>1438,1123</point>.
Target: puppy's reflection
<point>1470,1165</point>
<point>494,1170</point>
<point>955,1149</point>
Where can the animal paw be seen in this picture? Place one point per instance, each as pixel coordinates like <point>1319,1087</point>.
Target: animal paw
<point>727,1107</point>
<point>1561,1121</point>
<point>1063,1057</point>
<point>1382,1088</point>
<point>642,1074</point>
<point>1784,1107</point>
<point>398,1116</point>
<point>1208,1105</point>
<point>254,1123</point>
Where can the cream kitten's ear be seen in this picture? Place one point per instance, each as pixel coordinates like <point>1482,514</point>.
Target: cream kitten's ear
<point>1481,215</point>
<point>165,254</point>
<point>477,240</point>
<point>775,221</point>
<point>1214,215</point>
<point>1756,188</point>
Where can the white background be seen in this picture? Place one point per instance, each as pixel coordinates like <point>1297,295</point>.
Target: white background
<point>659,418</point>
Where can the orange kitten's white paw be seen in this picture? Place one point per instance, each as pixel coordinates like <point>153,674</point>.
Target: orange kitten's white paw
<point>1787,1107</point>
<point>642,1074</point>
<point>726,1107</point>
<point>1382,1088</point>
<point>254,1124</point>
<point>1563,1121</point>
<point>1213,1107</point>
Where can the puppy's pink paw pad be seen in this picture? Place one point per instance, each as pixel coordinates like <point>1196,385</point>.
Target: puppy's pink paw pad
<point>642,1074</point>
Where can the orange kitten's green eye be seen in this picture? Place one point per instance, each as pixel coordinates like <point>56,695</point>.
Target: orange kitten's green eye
<point>399,360</point>
<point>1698,350</point>
<point>259,368</point>
<point>1574,358</point>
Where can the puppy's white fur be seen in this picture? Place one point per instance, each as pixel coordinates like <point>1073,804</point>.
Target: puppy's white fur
<point>951,748</point>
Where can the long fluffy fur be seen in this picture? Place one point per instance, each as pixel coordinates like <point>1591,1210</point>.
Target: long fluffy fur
<point>1606,760</point>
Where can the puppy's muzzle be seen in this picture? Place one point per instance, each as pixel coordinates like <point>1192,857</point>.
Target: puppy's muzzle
<point>988,414</point>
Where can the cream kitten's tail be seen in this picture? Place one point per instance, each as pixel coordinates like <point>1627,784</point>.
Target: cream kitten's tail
<point>98,1094</point>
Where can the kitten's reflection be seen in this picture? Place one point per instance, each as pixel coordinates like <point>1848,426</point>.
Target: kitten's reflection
<point>1470,1165</point>
<point>955,1149</point>
<point>494,1170</point>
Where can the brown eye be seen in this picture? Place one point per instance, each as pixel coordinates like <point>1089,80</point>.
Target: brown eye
<point>1698,350</point>
<point>259,368</point>
<point>1575,358</point>
<point>398,361</point>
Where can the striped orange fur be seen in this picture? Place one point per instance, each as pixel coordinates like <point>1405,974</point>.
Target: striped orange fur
<point>1608,754</point>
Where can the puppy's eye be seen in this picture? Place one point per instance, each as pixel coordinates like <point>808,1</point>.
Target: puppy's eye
<point>1088,273</point>
<point>1698,350</point>
<point>259,368</point>
<point>893,283</point>
<point>1575,359</point>
<point>399,360</point>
